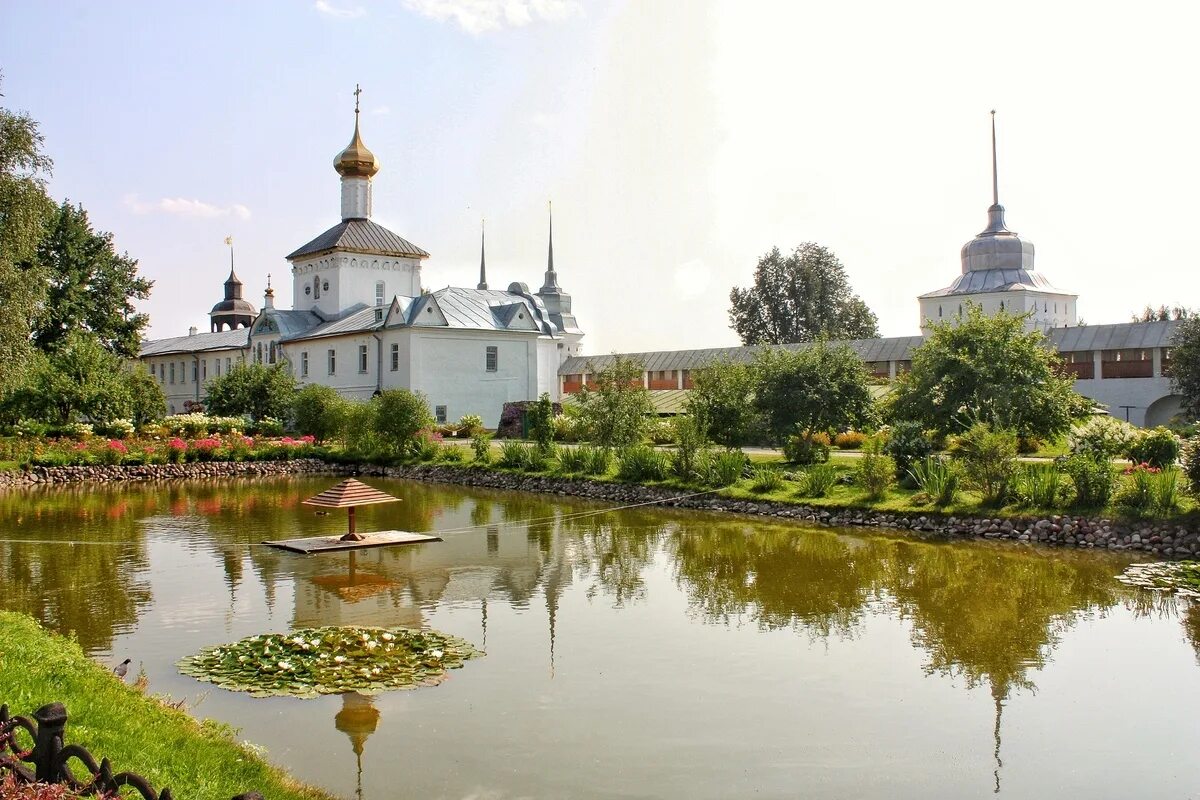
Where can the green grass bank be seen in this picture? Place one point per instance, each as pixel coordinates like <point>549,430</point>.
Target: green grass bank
<point>198,761</point>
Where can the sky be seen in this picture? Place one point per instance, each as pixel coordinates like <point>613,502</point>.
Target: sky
<point>678,140</point>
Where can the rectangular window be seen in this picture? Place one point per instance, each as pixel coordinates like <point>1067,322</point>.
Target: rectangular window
<point>162,373</point>
<point>204,369</point>
<point>439,413</point>
<point>332,362</point>
<point>228,363</point>
<point>493,359</point>
<point>172,372</point>
<point>195,372</point>
<point>379,293</point>
<point>304,364</point>
<point>218,362</point>
<point>362,358</point>
<point>395,357</point>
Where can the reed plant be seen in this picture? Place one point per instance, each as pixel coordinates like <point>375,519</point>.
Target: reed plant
<point>1040,485</point>
<point>937,479</point>
<point>724,468</point>
<point>641,463</point>
<point>766,480</point>
<point>817,480</point>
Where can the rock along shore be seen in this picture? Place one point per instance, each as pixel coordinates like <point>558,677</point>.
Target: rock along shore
<point>1163,539</point>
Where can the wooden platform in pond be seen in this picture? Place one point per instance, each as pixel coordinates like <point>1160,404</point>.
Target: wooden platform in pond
<point>334,544</point>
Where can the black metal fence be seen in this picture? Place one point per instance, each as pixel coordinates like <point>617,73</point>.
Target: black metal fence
<point>45,759</point>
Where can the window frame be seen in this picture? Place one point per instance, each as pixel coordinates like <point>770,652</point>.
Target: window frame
<point>491,358</point>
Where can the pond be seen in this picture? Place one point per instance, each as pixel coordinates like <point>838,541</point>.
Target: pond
<point>636,654</point>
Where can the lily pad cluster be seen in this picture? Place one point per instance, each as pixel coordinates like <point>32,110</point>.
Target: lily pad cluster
<point>1180,577</point>
<point>314,661</point>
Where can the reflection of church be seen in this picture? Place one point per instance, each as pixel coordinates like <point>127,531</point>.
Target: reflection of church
<point>362,320</point>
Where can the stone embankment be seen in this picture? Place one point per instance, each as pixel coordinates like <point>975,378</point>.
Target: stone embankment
<point>168,472</point>
<point>1163,539</point>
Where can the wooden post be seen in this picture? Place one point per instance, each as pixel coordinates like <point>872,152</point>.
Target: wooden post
<point>351,510</point>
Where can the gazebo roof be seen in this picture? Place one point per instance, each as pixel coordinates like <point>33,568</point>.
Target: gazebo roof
<point>350,493</point>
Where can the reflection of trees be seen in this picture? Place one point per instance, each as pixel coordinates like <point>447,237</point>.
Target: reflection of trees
<point>94,589</point>
<point>615,550</point>
<point>777,576</point>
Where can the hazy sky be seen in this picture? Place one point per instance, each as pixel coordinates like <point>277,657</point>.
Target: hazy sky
<point>678,140</point>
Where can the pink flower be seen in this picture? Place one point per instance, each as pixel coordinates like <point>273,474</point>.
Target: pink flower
<point>120,447</point>
<point>177,444</point>
<point>308,439</point>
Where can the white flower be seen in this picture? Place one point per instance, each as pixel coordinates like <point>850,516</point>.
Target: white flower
<point>387,637</point>
<point>298,640</point>
<point>372,645</point>
<point>435,653</point>
<point>284,665</point>
<point>339,659</point>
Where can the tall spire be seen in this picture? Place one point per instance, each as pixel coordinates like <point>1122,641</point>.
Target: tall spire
<point>482,256</point>
<point>996,211</point>
<point>551,283</point>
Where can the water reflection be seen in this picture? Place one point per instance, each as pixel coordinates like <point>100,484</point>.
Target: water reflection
<point>979,615</point>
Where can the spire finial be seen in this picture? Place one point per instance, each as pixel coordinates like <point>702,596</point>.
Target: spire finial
<point>229,241</point>
<point>482,255</point>
<point>358,91</point>
<point>550,255</point>
<point>995,179</point>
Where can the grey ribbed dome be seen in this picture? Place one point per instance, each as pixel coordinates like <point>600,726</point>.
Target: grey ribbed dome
<point>996,247</point>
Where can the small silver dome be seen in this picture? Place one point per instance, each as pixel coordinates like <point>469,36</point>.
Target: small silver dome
<point>997,247</point>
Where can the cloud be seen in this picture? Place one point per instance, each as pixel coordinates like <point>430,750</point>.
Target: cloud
<point>183,207</point>
<point>330,10</point>
<point>480,16</point>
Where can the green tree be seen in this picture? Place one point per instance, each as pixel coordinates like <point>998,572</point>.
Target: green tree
<point>800,297</point>
<point>615,412</point>
<point>319,411</point>
<point>1162,314</point>
<point>146,400</point>
<point>820,388</point>
<point>987,369</point>
<point>257,390</point>
<point>79,380</point>
<point>88,286</point>
<point>24,209</point>
<point>1185,365</point>
<point>399,416</point>
<point>722,401</point>
<point>541,423</point>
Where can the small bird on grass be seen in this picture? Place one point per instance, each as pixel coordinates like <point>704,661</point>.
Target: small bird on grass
<point>122,669</point>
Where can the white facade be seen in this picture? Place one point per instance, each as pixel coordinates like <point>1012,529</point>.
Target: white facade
<point>361,323</point>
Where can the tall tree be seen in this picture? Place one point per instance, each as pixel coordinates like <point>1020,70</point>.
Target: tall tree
<point>258,390</point>
<point>614,408</point>
<point>722,402</point>
<point>89,286</point>
<point>987,369</point>
<point>1162,313</point>
<point>819,389</point>
<point>1185,365</point>
<point>80,379</point>
<point>24,209</point>
<point>801,297</point>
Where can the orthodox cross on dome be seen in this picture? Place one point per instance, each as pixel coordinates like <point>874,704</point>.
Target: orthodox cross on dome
<point>358,91</point>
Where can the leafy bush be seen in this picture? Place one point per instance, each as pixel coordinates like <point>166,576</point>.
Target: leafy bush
<point>567,428</point>
<point>807,447</point>
<point>1150,491</point>
<point>660,432</point>
<point>906,443</point>
<point>268,426</point>
<point>724,468</point>
<point>452,454</point>
<point>689,435</point>
<point>427,446</point>
<point>937,478</point>
<point>1191,464</point>
<point>319,411</point>
<point>481,446</point>
<point>116,429</point>
<point>187,425</point>
<point>540,417</point>
<point>1101,437</point>
<point>599,459</point>
<point>514,455</point>
<point>470,425</point>
<point>573,460</point>
<point>31,428</point>
<point>875,471</point>
<point>399,415</point>
<point>1158,448</point>
<point>850,440</point>
<point>641,463</point>
<point>1039,485</point>
<point>1092,478</point>
<point>1027,445</point>
<point>989,459</point>
<point>817,480</point>
<point>766,480</point>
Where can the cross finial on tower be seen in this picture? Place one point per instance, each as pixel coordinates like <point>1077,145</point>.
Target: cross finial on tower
<point>358,91</point>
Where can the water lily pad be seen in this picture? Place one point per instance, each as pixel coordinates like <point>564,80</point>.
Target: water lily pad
<point>313,661</point>
<point>1181,577</point>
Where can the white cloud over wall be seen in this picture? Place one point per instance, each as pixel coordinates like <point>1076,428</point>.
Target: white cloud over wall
<point>184,207</point>
<point>480,16</point>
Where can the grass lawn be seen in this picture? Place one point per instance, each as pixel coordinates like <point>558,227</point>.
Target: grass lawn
<point>198,761</point>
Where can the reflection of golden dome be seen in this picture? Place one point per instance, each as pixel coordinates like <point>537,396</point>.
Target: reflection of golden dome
<point>356,161</point>
<point>358,719</point>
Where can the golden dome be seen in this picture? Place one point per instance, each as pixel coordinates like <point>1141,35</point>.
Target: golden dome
<point>356,161</point>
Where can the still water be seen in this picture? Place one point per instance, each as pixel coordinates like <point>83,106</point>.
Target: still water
<point>637,654</point>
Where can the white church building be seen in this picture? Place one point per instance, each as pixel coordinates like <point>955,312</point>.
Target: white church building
<point>362,322</point>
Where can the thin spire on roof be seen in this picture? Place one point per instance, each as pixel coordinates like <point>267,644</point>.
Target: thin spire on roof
<point>482,256</point>
<point>995,179</point>
<point>233,278</point>
<point>551,283</point>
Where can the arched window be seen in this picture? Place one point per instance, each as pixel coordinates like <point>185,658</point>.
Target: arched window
<point>1001,305</point>
<point>939,312</point>
<point>258,353</point>
<point>271,356</point>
